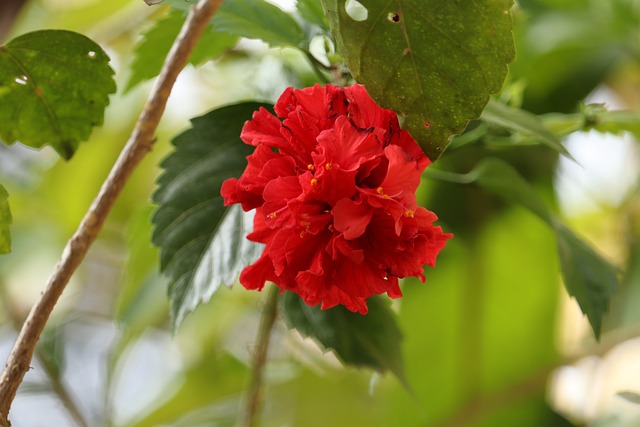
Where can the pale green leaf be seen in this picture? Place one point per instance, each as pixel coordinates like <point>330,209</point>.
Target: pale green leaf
<point>434,62</point>
<point>630,396</point>
<point>54,87</point>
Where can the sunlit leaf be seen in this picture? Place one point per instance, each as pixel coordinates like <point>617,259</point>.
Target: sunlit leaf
<point>433,62</point>
<point>524,123</point>
<point>155,44</point>
<point>259,19</point>
<point>54,87</point>
<point>372,340</point>
<point>202,243</point>
<point>5,221</point>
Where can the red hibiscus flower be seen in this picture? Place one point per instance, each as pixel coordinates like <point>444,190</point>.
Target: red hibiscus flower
<point>333,185</point>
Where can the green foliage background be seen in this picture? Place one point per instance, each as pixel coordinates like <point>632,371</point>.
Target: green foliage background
<point>481,337</point>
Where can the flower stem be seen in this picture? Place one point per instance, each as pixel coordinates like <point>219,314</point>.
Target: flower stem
<point>259,360</point>
<point>139,144</point>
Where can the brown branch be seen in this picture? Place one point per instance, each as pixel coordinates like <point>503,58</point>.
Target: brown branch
<point>254,392</point>
<point>139,144</point>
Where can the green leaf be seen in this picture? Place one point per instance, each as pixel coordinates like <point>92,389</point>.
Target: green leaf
<point>5,221</point>
<point>434,62</point>
<point>54,87</point>
<point>258,19</point>
<point>588,277</point>
<point>372,340</point>
<point>524,123</point>
<point>630,396</point>
<point>202,243</point>
<point>151,51</point>
<point>312,11</point>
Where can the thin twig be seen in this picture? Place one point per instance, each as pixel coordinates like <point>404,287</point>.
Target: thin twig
<point>139,144</point>
<point>254,392</point>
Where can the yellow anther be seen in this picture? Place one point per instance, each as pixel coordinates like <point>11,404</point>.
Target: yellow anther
<point>272,215</point>
<point>409,213</point>
<point>311,167</point>
<point>328,166</point>
<point>314,181</point>
<point>380,191</point>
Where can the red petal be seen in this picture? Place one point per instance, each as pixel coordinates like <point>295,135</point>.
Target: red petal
<point>351,218</point>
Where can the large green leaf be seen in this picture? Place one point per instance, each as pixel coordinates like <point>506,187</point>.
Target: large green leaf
<point>54,87</point>
<point>434,62</point>
<point>259,19</point>
<point>588,277</point>
<point>154,46</point>
<point>372,340</point>
<point>5,221</point>
<point>202,243</point>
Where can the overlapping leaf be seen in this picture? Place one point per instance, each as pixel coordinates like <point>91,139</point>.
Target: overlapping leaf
<point>154,46</point>
<point>435,62</point>
<point>372,340</point>
<point>202,243</point>
<point>54,87</point>
<point>5,221</point>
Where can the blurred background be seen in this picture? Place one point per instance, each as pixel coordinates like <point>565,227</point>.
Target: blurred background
<point>491,339</point>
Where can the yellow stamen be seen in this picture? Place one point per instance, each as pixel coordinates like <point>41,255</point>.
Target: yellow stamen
<point>272,215</point>
<point>328,166</point>
<point>311,167</point>
<point>409,213</point>
<point>314,181</point>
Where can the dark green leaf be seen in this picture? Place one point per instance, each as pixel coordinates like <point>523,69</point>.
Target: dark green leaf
<point>524,123</point>
<point>433,62</point>
<point>5,221</point>
<point>154,47</point>
<point>372,340</point>
<point>630,396</point>
<point>258,19</point>
<point>588,277</point>
<point>202,243</point>
<point>54,87</point>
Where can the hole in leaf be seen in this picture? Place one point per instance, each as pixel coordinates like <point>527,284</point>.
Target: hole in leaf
<point>21,80</point>
<point>356,10</point>
<point>393,17</point>
<point>91,54</point>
